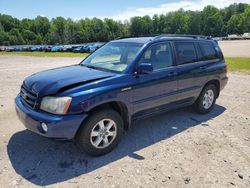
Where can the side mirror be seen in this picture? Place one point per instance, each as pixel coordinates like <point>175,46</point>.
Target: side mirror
<point>144,68</point>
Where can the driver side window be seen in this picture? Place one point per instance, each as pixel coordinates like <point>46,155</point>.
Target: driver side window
<point>159,55</point>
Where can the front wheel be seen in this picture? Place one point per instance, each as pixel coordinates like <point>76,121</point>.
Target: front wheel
<point>101,132</point>
<point>205,103</point>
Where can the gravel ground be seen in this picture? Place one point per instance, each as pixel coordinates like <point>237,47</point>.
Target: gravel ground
<point>175,149</point>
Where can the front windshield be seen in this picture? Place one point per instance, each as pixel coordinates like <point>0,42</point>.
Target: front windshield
<point>114,56</point>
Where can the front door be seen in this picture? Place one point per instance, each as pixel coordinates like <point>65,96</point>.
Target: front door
<point>158,87</point>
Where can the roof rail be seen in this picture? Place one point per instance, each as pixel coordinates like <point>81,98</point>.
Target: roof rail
<point>181,35</point>
<point>135,36</point>
<point>157,36</point>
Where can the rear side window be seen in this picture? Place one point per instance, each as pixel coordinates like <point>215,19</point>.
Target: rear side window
<point>208,51</point>
<point>185,52</point>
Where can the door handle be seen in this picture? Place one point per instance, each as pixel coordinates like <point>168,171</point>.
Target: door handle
<point>203,67</point>
<point>172,74</point>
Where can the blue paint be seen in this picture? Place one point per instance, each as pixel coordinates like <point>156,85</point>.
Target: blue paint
<point>140,94</point>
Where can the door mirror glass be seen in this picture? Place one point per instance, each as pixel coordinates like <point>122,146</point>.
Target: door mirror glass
<point>145,68</point>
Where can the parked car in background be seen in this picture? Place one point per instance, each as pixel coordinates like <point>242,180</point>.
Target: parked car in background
<point>246,35</point>
<point>67,48</point>
<point>217,38</point>
<point>18,49</point>
<point>234,37</point>
<point>10,49</point>
<point>80,49</point>
<point>88,48</point>
<point>92,48</point>
<point>26,48</point>
<point>47,48</point>
<point>35,48</point>
<point>57,48</point>
<point>125,80</point>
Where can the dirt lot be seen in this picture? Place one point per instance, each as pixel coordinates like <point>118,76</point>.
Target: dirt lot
<point>235,48</point>
<point>175,149</point>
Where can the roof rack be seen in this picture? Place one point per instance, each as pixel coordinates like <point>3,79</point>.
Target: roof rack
<point>181,35</point>
<point>135,36</point>
<point>157,36</point>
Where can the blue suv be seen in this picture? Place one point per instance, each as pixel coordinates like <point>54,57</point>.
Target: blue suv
<point>127,79</point>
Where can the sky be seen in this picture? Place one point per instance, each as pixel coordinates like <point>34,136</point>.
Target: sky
<point>116,9</point>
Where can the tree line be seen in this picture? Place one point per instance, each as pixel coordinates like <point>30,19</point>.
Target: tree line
<point>211,21</point>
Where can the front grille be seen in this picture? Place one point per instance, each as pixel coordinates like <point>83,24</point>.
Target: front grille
<point>28,96</point>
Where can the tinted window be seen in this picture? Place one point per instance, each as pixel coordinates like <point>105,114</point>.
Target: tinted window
<point>159,55</point>
<point>185,52</point>
<point>208,51</point>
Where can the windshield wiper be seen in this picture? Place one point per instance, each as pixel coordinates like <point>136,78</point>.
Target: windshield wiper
<point>94,67</point>
<point>89,66</point>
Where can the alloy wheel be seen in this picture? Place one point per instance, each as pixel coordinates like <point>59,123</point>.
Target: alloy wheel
<point>103,133</point>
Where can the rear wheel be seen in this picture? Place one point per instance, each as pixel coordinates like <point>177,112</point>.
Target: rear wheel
<point>206,100</point>
<point>101,132</point>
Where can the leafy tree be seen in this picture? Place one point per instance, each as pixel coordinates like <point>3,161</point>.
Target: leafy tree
<point>57,31</point>
<point>72,32</point>
<point>112,27</point>
<point>39,39</point>
<point>4,38</point>
<point>41,25</point>
<point>140,25</point>
<point>210,21</point>
<point>15,37</point>
<point>99,32</point>
<point>26,23</point>
<point>8,22</point>
<point>234,24</point>
<point>194,24</point>
<point>176,22</point>
<point>245,20</point>
<point>28,36</point>
<point>233,9</point>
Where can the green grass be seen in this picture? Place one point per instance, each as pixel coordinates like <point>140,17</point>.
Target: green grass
<point>46,54</point>
<point>241,64</point>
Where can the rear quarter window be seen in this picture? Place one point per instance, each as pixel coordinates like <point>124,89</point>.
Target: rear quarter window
<point>185,52</point>
<point>208,51</point>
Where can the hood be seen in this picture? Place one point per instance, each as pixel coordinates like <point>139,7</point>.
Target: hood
<point>60,79</point>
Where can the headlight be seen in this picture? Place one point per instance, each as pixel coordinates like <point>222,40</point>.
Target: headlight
<point>56,105</point>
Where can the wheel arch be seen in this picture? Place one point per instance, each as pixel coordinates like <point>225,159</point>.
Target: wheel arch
<point>117,106</point>
<point>216,83</point>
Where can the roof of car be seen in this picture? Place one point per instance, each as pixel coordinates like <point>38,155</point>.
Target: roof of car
<point>144,40</point>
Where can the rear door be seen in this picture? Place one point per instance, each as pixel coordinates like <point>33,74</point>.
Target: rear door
<point>191,70</point>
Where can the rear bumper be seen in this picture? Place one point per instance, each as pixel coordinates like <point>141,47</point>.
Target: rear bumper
<point>59,126</point>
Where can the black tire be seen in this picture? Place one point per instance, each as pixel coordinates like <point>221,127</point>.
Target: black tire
<point>83,137</point>
<point>198,105</point>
